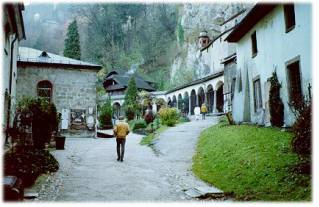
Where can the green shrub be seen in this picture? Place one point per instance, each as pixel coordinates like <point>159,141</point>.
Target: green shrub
<point>301,141</point>
<point>130,112</point>
<point>157,123</point>
<point>184,119</point>
<point>169,116</point>
<point>139,124</point>
<point>105,115</point>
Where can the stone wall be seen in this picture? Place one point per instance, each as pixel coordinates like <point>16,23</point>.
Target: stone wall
<point>72,88</point>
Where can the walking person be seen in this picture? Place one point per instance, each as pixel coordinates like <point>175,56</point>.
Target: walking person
<point>197,112</point>
<point>203,110</point>
<point>121,130</point>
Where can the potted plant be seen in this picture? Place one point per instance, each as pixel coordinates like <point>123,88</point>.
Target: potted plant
<point>44,119</point>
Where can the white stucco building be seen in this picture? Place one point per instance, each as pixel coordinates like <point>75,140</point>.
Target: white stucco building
<point>271,37</point>
<point>218,58</point>
<point>12,35</point>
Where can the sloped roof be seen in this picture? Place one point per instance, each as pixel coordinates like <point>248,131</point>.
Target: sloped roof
<point>125,73</point>
<point>33,56</point>
<point>122,78</point>
<point>259,11</point>
<point>212,76</point>
<point>116,72</point>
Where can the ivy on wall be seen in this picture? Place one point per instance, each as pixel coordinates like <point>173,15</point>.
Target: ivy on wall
<point>276,106</point>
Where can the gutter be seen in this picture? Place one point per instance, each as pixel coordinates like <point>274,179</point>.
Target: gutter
<point>10,87</point>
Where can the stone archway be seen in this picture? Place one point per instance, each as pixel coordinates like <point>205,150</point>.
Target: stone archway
<point>193,101</point>
<point>220,97</point>
<point>180,102</point>
<point>210,98</point>
<point>116,109</point>
<point>174,102</point>
<point>201,96</point>
<point>186,103</point>
<point>169,102</point>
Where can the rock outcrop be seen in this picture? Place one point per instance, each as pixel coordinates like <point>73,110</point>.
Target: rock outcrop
<point>195,18</point>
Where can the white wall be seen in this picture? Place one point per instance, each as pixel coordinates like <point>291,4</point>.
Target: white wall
<point>214,54</point>
<point>6,75</point>
<point>275,48</point>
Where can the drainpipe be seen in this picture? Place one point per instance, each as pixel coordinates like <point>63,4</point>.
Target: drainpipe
<point>10,87</point>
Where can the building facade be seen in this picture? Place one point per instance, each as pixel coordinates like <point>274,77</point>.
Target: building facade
<point>70,84</point>
<point>271,37</point>
<point>13,33</point>
<point>218,57</point>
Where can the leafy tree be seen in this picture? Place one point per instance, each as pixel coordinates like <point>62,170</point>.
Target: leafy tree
<point>276,107</point>
<point>72,42</point>
<point>131,99</point>
<point>114,35</point>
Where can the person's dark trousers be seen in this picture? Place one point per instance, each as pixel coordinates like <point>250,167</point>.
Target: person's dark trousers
<point>120,148</point>
<point>203,116</point>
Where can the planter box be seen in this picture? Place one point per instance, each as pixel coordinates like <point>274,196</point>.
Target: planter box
<point>59,142</point>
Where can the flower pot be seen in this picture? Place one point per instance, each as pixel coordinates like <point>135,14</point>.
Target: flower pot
<point>59,142</point>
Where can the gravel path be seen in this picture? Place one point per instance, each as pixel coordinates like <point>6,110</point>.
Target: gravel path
<point>89,170</point>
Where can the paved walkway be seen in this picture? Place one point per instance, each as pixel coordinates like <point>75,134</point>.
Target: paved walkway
<point>89,170</point>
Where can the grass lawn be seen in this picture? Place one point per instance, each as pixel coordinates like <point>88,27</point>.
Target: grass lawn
<point>147,140</point>
<point>253,163</point>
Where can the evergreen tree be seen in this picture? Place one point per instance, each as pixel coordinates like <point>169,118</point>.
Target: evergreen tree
<point>72,42</point>
<point>276,107</point>
<point>131,99</point>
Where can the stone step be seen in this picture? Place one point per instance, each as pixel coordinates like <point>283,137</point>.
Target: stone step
<point>204,191</point>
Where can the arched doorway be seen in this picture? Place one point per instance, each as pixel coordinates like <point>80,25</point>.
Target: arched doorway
<point>201,96</point>
<point>220,98</point>
<point>193,101</point>
<point>180,102</point>
<point>169,102</point>
<point>174,103</point>
<point>116,109</point>
<point>210,98</point>
<point>186,103</point>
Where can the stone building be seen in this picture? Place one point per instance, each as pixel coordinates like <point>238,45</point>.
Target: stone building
<point>271,37</point>
<point>12,35</point>
<point>70,84</point>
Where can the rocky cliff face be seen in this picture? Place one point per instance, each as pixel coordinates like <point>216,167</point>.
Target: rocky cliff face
<point>195,18</point>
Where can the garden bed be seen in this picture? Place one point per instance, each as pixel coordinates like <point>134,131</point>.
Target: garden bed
<point>29,164</point>
<point>251,162</point>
